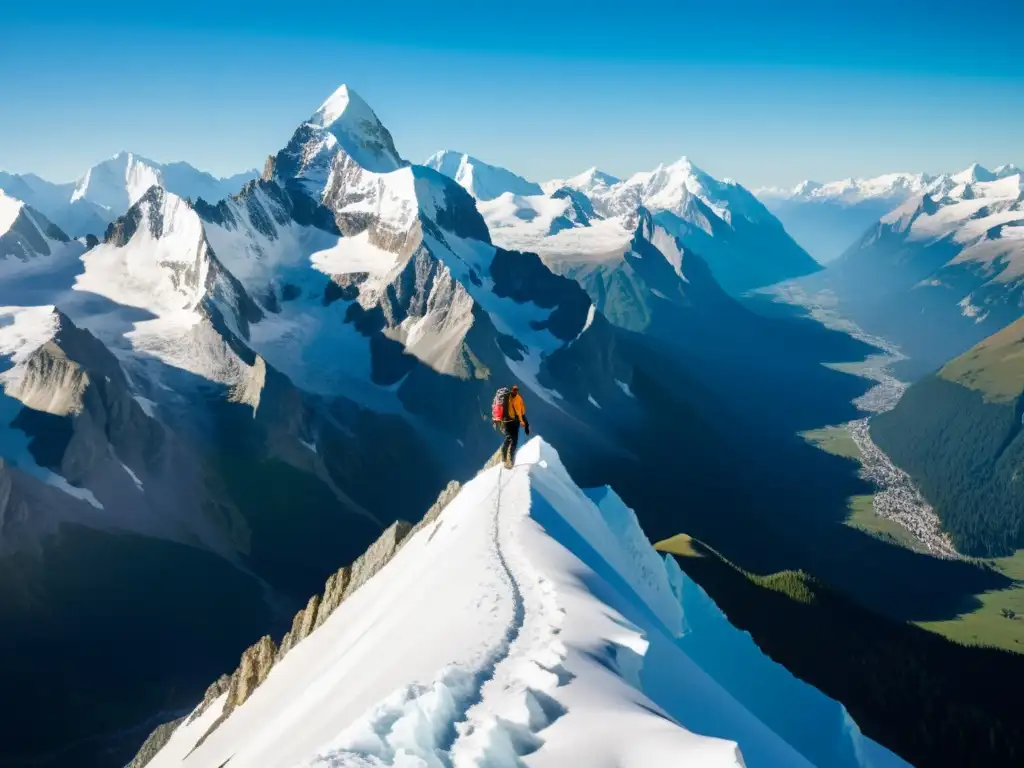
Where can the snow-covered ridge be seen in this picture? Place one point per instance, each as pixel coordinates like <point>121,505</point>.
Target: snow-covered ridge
<point>851,190</point>
<point>482,180</point>
<point>547,632</point>
<point>897,186</point>
<point>720,220</point>
<point>979,216</point>
<point>109,188</point>
<point>592,182</point>
<point>119,182</point>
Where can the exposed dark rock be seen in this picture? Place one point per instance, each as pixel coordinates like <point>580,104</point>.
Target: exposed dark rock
<point>347,580</point>
<point>302,625</point>
<point>343,287</point>
<point>459,214</point>
<point>582,210</point>
<point>524,278</point>
<point>217,688</point>
<point>122,230</point>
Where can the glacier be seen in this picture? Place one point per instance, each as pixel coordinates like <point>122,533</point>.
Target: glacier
<point>530,623</point>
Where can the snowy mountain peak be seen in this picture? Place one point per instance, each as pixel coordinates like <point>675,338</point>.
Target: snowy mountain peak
<point>343,128</point>
<point>592,182</point>
<point>720,219</point>
<point>592,176</point>
<point>972,173</point>
<point>336,104</point>
<point>852,190</point>
<point>1009,169</point>
<point>357,129</point>
<point>117,183</point>
<point>805,187</point>
<point>482,180</point>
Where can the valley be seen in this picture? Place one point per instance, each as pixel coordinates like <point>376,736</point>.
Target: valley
<point>896,511</point>
<point>896,501</point>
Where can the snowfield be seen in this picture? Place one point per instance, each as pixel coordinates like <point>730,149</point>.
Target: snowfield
<point>530,624</point>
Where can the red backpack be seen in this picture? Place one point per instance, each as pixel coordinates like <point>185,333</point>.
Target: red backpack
<point>499,407</point>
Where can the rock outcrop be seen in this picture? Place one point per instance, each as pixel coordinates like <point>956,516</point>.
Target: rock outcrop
<point>156,741</point>
<point>303,623</point>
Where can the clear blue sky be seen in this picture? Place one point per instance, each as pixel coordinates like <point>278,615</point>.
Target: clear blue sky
<point>766,93</point>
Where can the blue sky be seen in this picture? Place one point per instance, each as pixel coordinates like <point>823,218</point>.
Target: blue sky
<point>766,93</point>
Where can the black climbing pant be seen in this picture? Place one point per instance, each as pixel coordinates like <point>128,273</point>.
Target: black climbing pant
<point>508,449</point>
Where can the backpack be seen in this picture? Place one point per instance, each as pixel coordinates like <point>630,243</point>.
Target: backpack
<point>499,407</point>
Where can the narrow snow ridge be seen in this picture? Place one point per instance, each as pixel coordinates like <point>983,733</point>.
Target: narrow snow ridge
<point>529,624</point>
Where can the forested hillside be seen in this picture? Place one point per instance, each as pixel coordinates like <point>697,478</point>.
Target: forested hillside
<point>931,701</point>
<point>958,434</point>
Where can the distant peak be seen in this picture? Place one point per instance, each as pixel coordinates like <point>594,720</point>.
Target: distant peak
<point>445,154</point>
<point>974,172</point>
<point>685,165</point>
<point>598,175</point>
<point>806,187</point>
<point>589,181</point>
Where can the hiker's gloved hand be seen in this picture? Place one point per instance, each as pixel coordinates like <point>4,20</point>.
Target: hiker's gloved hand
<point>526,427</point>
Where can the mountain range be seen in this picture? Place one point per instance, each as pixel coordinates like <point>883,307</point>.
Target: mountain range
<point>827,218</point>
<point>86,206</point>
<point>941,271</point>
<point>744,245</point>
<point>333,332</point>
<point>244,382</point>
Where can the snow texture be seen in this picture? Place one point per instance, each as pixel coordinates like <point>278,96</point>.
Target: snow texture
<point>530,624</point>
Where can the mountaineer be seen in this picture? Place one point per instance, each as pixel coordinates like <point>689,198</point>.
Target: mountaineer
<point>508,411</point>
